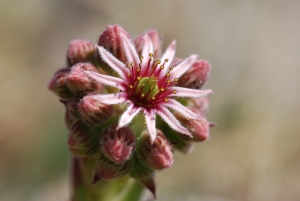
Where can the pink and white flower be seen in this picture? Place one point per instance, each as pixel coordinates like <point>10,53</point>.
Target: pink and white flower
<point>148,85</point>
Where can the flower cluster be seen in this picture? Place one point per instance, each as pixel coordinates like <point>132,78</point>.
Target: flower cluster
<point>114,91</point>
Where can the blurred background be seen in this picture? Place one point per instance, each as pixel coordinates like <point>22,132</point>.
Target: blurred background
<point>254,48</point>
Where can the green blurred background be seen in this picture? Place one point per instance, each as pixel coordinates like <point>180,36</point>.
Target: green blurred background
<point>254,48</point>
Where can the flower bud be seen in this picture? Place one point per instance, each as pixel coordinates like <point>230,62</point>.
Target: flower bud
<point>58,84</point>
<point>79,82</point>
<point>155,39</point>
<point>201,105</point>
<point>110,39</point>
<point>72,114</point>
<point>196,76</point>
<point>108,170</point>
<point>157,155</point>
<point>82,140</point>
<point>80,50</point>
<point>118,144</point>
<point>199,128</point>
<point>94,112</point>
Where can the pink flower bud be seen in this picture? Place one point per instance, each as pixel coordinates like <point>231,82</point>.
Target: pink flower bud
<point>200,105</point>
<point>80,50</point>
<point>198,128</point>
<point>82,140</point>
<point>108,170</point>
<point>94,112</point>
<point>196,76</point>
<point>111,40</point>
<point>155,39</point>
<point>157,155</point>
<point>72,114</point>
<point>58,84</point>
<point>79,82</point>
<point>118,145</point>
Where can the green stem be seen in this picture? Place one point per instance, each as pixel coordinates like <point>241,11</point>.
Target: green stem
<point>134,193</point>
<point>103,190</point>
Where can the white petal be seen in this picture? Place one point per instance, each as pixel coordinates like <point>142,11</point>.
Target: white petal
<point>106,79</point>
<point>186,92</point>
<point>183,67</point>
<point>169,118</point>
<point>169,54</point>
<point>150,121</point>
<point>130,51</point>
<point>147,49</point>
<point>128,115</point>
<point>110,99</point>
<point>175,105</point>
<point>114,63</point>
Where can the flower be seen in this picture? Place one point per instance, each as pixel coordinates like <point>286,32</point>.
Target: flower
<point>148,85</point>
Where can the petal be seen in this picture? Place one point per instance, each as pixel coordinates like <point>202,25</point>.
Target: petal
<point>150,121</point>
<point>183,66</point>
<point>175,105</point>
<point>147,49</point>
<point>186,92</point>
<point>169,54</point>
<point>169,118</point>
<point>110,99</point>
<point>114,63</point>
<point>129,50</point>
<point>128,115</point>
<point>106,79</point>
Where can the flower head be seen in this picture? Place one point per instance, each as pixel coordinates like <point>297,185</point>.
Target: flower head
<point>147,84</point>
<point>104,87</point>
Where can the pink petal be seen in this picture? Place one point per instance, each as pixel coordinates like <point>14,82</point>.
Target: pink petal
<point>110,99</point>
<point>128,115</point>
<point>175,105</point>
<point>147,49</point>
<point>106,79</point>
<point>169,118</point>
<point>114,63</point>
<point>183,66</point>
<point>129,50</point>
<point>169,54</point>
<point>186,92</point>
<point>150,121</point>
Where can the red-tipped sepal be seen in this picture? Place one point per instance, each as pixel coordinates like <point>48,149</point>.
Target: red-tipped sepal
<point>81,50</point>
<point>94,112</point>
<point>58,84</point>
<point>199,128</point>
<point>118,144</point>
<point>200,105</point>
<point>111,40</point>
<point>108,170</point>
<point>79,82</point>
<point>157,155</point>
<point>154,37</point>
<point>196,76</point>
<point>71,114</point>
<point>83,141</point>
